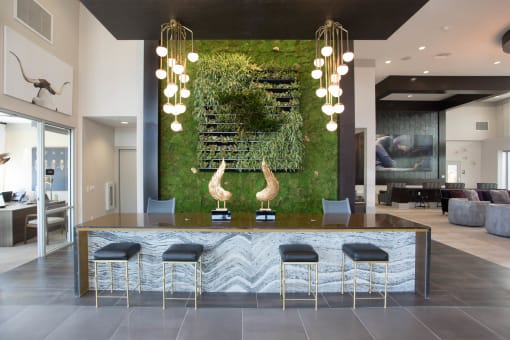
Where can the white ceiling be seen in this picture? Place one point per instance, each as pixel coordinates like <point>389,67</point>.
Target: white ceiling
<point>115,121</point>
<point>468,31</point>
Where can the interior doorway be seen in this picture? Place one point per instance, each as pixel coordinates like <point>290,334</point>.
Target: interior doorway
<point>127,181</point>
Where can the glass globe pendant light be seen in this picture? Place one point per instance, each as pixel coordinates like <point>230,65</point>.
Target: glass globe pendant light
<point>332,54</point>
<point>172,67</point>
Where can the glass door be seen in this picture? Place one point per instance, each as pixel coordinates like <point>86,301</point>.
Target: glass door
<point>56,188</point>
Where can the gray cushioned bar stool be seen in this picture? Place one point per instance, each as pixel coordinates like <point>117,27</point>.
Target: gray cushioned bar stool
<point>182,254</point>
<point>365,253</point>
<point>119,252</point>
<point>298,254</point>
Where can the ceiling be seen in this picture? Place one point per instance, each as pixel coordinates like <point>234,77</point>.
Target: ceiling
<point>460,38</point>
<point>252,19</point>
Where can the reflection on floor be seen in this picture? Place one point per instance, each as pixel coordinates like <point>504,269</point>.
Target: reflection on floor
<point>470,300</point>
<point>20,253</point>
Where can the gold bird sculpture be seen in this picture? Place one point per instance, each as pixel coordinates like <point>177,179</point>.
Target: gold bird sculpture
<point>271,189</point>
<point>215,189</point>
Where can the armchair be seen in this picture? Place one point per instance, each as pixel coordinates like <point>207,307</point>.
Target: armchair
<point>54,218</point>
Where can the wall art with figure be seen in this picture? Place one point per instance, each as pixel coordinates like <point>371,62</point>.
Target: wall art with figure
<point>56,159</point>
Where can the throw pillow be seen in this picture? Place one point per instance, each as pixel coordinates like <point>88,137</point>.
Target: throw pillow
<point>471,195</point>
<point>500,196</point>
<point>457,194</point>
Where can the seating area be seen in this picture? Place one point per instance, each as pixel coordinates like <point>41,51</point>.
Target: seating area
<point>498,196</point>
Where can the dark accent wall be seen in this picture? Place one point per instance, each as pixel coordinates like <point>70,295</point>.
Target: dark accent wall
<point>346,142</point>
<point>150,123</point>
<point>414,123</point>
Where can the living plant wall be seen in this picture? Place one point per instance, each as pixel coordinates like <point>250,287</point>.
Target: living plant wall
<point>247,113</point>
<point>302,187</point>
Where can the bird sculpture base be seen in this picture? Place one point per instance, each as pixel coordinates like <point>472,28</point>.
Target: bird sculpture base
<point>221,215</point>
<point>265,215</point>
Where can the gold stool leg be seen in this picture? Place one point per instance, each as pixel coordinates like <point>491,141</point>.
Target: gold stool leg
<point>343,272</point>
<point>139,276</point>
<point>316,283</point>
<point>386,285</point>
<point>95,278</point>
<point>354,283</point>
<point>201,275</point>
<point>195,266</point>
<point>370,279</point>
<point>309,278</point>
<point>127,285</point>
<point>164,274</point>
<point>171,278</point>
<point>111,278</point>
<point>283,284</point>
<point>281,268</point>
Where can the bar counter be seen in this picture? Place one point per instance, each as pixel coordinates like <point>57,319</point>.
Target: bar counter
<point>241,255</point>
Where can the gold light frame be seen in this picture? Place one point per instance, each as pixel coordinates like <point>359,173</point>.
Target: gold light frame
<point>332,53</point>
<point>172,50</point>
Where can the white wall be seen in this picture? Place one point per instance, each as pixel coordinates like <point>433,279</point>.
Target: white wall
<point>472,148</point>
<point>469,154</point>
<point>111,79</point>
<point>364,89</point>
<point>125,137</point>
<point>20,139</point>
<point>461,122</point>
<point>491,157</point>
<point>98,167</point>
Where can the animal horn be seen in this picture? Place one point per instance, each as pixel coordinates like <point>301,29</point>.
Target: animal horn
<point>29,80</point>
<point>61,88</point>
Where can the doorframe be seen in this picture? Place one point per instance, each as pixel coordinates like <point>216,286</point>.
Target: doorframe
<point>459,169</point>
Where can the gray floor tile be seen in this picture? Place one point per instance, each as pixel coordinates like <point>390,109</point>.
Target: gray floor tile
<point>335,324</point>
<point>151,322</point>
<point>90,323</point>
<point>7,312</point>
<point>35,322</point>
<point>495,318</point>
<point>451,323</point>
<point>393,323</point>
<point>272,324</point>
<point>212,324</point>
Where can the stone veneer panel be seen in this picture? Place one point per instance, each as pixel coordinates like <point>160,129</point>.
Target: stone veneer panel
<point>250,262</point>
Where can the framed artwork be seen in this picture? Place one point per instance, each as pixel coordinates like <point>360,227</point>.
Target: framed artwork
<point>33,75</point>
<point>404,152</point>
<point>55,159</point>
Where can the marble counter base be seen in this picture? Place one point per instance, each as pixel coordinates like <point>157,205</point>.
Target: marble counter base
<point>250,261</point>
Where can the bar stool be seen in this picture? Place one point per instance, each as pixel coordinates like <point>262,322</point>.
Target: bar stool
<point>119,252</point>
<point>182,254</point>
<point>365,253</point>
<point>298,254</point>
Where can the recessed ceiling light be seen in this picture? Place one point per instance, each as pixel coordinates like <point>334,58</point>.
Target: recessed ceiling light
<point>387,62</point>
<point>445,27</point>
<point>409,96</point>
<point>421,48</point>
<point>497,62</point>
<point>426,72</point>
<point>124,123</point>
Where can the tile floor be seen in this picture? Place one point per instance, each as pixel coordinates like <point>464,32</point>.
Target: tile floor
<point>470,299</point>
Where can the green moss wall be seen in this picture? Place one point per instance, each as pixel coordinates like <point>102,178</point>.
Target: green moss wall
<point>300,191</point>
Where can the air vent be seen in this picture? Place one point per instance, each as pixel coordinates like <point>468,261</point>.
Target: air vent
<point>482,126</point>
<point>36,17</point>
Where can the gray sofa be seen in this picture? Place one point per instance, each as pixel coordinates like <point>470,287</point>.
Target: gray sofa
<point>467,213</point>
<point>497,219</point>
